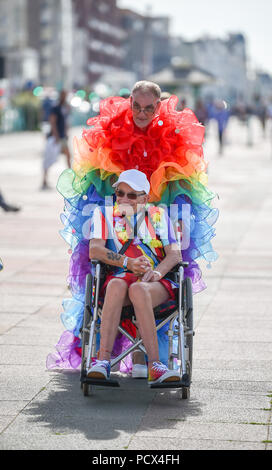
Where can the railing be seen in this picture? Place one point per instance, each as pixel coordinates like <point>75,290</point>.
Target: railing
<point>14,119</point>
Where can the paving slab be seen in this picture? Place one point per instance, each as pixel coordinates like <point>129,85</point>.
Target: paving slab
<point>151,443</point>
<point>231,393</point>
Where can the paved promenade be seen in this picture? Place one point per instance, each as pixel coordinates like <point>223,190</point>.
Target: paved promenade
<point>231,393</point>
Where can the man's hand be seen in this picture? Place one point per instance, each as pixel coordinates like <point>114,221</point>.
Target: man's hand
<point>139,265</point>
<point>151,276</point>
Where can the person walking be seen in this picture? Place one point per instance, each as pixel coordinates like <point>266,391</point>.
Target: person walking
<point>221,114</point>
<point>7,207</point>
<point>148,134</point>
<point>57,140</point>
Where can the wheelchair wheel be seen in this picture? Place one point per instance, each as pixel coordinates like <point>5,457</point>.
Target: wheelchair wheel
<point>189,321</point>
<point>188,308</point>
<point>185,391</point>
<point>85,332</point>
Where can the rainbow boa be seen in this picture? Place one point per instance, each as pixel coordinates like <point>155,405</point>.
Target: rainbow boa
<point>170,153</point>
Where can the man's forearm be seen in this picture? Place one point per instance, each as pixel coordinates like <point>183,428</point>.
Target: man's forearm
<point>171,260</point>
<point>106,256</point>
<point>114,258</point>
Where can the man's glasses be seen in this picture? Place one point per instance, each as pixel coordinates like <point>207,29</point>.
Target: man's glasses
<point>148,110</point>
<point>132,196</point>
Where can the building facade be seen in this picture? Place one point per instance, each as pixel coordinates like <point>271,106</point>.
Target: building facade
<point>19,62</point>
<point>147,42</point>
<point>82,43</point>
<point>226,59</point>
<point>102,36</point>
<point>51,34</point>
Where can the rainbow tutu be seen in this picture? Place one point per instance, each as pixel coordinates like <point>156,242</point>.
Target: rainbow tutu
<point>170,153</point>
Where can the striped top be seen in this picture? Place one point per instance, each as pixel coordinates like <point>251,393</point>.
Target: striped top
<point>154,231</point>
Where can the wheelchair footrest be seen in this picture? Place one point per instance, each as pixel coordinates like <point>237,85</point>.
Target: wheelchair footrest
<point>184,382</point>
<point>101,382</point>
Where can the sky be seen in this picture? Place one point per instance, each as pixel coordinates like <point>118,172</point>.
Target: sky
<point>192,19</point>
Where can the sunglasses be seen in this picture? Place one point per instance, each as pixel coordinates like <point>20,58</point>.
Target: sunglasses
<point>132,196</point>
<point>148,110</point>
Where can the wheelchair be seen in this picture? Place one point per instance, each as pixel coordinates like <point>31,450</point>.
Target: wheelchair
<point>178,313</point>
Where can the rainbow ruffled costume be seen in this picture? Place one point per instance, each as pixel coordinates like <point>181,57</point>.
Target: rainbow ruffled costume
<point>170,153</point>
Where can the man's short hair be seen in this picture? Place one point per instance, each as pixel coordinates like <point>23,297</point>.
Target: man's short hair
<point>145,86</point>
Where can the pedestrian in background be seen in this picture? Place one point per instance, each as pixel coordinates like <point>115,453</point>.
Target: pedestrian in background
<point>57,140</point>
<point>221,114</point>
<point>261,112</point>
<point>7,207</point>
<point>182,104</point>
<point>165,95</point>
<point>201,112</point>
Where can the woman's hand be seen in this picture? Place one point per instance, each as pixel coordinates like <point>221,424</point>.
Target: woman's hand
<point>139,266</point>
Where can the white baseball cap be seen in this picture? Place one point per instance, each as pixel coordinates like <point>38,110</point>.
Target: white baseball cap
<point>136,179</point>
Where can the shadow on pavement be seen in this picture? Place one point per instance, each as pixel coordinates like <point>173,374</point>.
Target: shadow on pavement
<point>108,412</point>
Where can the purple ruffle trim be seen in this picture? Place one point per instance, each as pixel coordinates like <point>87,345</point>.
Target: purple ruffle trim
<point>120,345</point>
<point>68,353</point>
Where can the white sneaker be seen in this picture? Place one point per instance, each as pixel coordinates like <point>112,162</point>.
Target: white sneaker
<point>99,370</point>
<point>139,371</point>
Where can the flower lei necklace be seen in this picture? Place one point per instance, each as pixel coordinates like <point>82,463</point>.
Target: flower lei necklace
<point>121,226</point>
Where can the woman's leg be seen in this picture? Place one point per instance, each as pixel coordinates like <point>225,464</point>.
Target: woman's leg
<point>116,297</point>
<point>144,297</point>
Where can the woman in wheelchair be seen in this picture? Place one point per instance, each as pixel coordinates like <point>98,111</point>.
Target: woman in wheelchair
<point>140,246</point>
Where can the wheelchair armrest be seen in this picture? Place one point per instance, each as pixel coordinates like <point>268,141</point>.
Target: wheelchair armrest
<point>175,269</point>
<point>96,261</point>
<point>184,264</point>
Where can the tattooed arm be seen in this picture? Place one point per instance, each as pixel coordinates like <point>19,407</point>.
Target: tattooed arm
<point>99,251</point>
